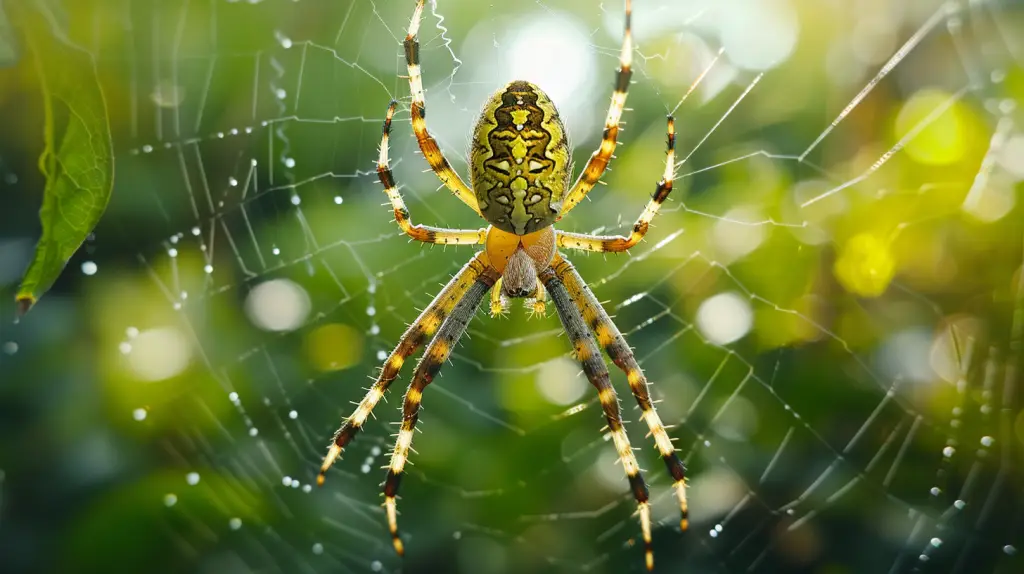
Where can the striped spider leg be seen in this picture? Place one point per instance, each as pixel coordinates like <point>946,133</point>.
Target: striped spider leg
<point>614,344</point>
<point>422,233</point>
<point>599,160</point>
<point>436,353</point>
<point>428,145</point>
<point>589,356</point>
<point>618,243</point>
<point>428,322</point>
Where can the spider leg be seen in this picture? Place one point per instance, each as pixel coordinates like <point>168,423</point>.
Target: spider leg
<point>537,302</point>
<point>619,243</point>
<point>499,303</point>
<point>437,352</point>
<point>428,145</point>
<point>422,233</point>
<point>598,162</point>
<point>618,350</point>
<point>418,332</point>
<point>597,373</point>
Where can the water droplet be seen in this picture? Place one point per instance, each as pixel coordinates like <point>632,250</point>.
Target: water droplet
<point>718,527</point>
<point>220,135</point>
<point>232,182</point>
<point>381,355</point>
<point>125,347</point>
<point>307,488</point>
<point>233,397</point>
<point>936,542</point>
<point>707,443</point>
<point>235,523</point>
<point>192,478</point>
<point>713,533</point>
<point>375,329</point>
<point>170,500</point>
<point>296,200</point>
<point>365,468</point>
<point>172,252</point>
<point>1010,549</point>
<point>376,566</point>
<point>280,93</point>
<point>10,347</point>
<point>935,491</point>
<point>275,251</point>
<point>196,231</point>
<point>296,483</point>
<point>89,268</point>
<point>318,548</point>
<point>987,441</point>
<point>254,431</point>
<point>208,268</point>
<point>948,452</point>
<point>959,504</point>
<point>287,481</point>
<point>139,414</point>
<point>923,558</point>
<point>371,311</point>
<point>375,451</point>
<point>338,200</point>
<point>147,148</point>
<point>289,162</point>
<point>293,415</point>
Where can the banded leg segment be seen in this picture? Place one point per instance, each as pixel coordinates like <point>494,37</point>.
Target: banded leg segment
<point>619,243</point>
<point>428,145</point>
<point>599,160</point>
<point>422,233</point>
<point>597,373</point>
<point>418,332</point>
<point>618,350</point>
<point>437,352</point>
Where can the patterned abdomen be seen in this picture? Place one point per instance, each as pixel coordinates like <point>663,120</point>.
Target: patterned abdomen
<point>519,159</point>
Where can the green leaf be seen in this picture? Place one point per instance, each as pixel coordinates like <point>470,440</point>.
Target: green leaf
<point>77,159</point>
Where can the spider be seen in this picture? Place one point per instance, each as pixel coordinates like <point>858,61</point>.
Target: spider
<point>520,169</point>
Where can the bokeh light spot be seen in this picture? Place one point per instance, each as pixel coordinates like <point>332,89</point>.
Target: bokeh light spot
<point>277,305</point>
<point>560,381</point>
<point>865,265</point>
<point>725,318</point>
<point>943,140</point>
<point>158,354</point>
<point>334,346</point>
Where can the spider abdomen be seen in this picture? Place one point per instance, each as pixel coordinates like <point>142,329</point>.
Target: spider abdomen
<point>520,159</point>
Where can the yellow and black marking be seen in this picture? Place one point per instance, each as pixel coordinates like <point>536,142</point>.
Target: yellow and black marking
<point>612,341</point>
<point>428,145</point>
<point>598,162</point>
<point>422,233</point>
<point>589,356</point>
<point>437,352</point>
<point>428,322</point>
<point>519,159</point>
<point>619,243</point>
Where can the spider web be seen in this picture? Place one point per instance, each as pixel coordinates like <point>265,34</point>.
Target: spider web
<point>247,281</point>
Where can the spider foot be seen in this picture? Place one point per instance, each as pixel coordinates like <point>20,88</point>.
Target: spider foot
<point>499,307</point>
<point>537,308</point>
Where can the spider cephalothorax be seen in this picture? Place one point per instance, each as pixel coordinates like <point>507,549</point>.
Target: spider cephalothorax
<point>520,164</point>
<point>519,159</point>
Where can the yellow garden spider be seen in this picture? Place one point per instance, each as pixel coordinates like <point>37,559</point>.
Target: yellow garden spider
<point>520,169</point>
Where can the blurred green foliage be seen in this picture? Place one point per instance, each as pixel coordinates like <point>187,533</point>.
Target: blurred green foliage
<point>155,416</point>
